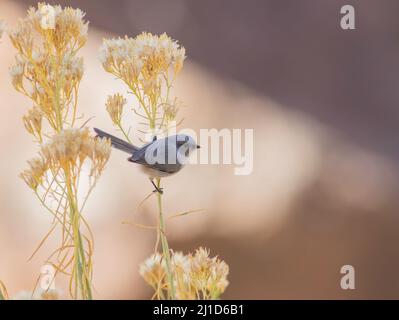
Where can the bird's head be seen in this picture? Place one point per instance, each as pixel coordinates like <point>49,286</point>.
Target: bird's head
<point>186,145</point>
<point>188,141</point>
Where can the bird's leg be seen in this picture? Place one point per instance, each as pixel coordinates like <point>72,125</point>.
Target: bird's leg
<point>160,190</point>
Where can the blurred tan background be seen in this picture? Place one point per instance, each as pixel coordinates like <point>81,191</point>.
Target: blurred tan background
<point>324,190</point>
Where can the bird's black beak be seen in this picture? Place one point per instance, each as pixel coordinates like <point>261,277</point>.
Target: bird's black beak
<point>198,146</point>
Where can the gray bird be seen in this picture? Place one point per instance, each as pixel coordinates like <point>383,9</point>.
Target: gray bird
<point>159,158</point>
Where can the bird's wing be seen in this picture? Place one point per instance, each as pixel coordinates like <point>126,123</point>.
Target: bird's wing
<point>139,155</point>
<point>157,148</point>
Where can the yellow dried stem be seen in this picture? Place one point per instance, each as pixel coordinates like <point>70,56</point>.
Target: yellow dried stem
<point>147,64</point>
<point>48,71</point>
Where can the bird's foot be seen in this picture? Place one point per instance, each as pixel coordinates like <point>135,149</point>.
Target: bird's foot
<point>159,190</point>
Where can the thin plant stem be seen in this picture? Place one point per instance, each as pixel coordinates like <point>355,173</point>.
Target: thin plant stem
<point>81,270</point>
<point>81,273</point>
<point>57,101</point>
<point>3,292</point>
<point>165,246</point>
<point>124,133</point>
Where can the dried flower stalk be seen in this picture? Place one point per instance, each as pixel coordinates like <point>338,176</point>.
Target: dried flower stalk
<point>148,65</point>
<point>196,276</point>
<point>3,291</point>
<point>48,71</point>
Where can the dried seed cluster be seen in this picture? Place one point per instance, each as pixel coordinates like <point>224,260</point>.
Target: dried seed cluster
<point>148,64</point>
<point>196,276</point>
<point>47,69</point>
<point>68,150</point>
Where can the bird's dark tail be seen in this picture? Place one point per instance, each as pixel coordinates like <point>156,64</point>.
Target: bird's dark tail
<point>116,142</point>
